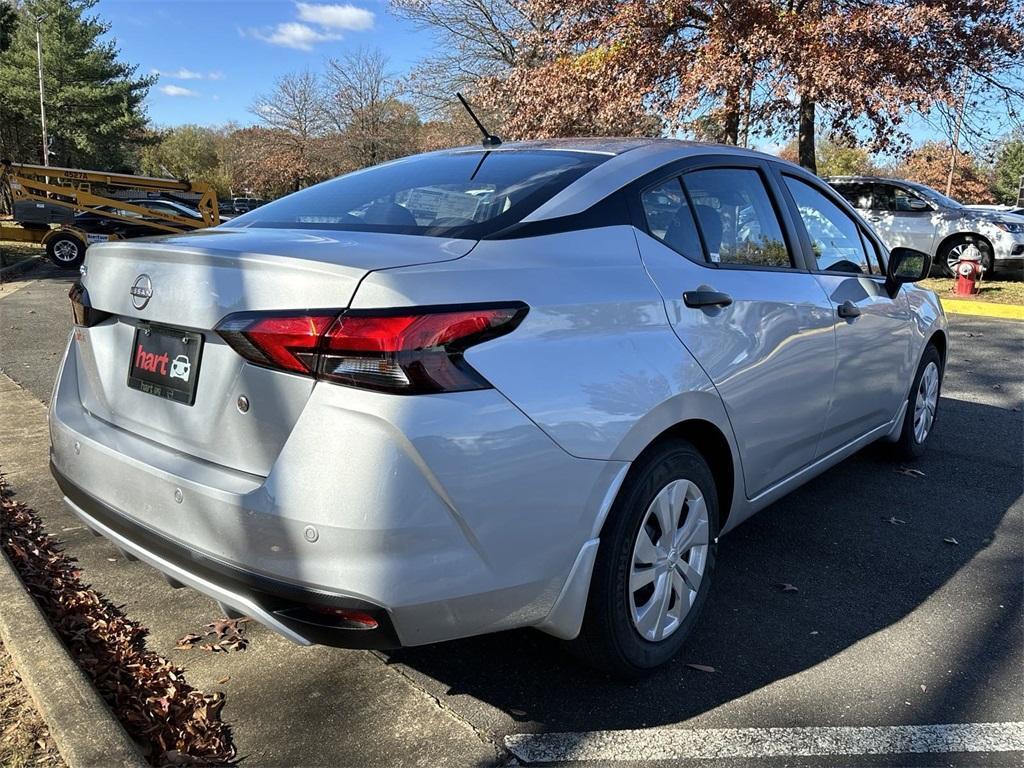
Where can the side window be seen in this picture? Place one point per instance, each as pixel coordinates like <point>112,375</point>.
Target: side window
<point>883,197</point>
<point>736,217</point>
<point>857,194</point>
<point>835,237</point>
<point>904,200</point>
<point>670,219</point>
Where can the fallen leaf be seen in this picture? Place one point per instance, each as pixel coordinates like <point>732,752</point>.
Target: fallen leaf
<point>702,667</point>
<point>223,680</point>
<point>923,688</point>
<point>910,472</point>
<point>951,540</point>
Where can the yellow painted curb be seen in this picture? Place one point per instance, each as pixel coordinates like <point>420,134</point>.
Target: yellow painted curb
<point>983,309</point>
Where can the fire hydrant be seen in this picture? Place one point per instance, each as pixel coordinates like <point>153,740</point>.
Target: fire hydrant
<point>968,272</point>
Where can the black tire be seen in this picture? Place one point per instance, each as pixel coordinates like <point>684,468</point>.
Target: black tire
<point>909,447</point>
<point>980,243</point>
<point>65,250</point>
<point>609,641</point>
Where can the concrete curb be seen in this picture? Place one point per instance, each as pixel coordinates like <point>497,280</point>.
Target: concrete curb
<point>20,267</point>
<point>86,732</point>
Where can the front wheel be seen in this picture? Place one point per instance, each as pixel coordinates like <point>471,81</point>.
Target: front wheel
<point>950,255</point>
<point>654,565</point>
<point>66,251</point>
<point>922,405</point>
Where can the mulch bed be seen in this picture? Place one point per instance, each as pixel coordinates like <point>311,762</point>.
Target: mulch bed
<point>175,723</point>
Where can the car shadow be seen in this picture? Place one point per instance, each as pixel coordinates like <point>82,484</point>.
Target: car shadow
<point>857,571</point>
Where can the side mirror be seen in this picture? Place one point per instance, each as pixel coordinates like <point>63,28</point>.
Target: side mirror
<point>917,205</point>
<point>906,266</point>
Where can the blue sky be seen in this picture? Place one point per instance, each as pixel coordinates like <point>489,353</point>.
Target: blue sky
<point>215,56</point>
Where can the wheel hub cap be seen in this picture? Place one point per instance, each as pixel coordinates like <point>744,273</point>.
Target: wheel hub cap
<point>926,402</point>
<point>669,559</point>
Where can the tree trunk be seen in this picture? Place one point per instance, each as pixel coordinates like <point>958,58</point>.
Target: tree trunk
<point>731,126</point>
<point>805,135</point>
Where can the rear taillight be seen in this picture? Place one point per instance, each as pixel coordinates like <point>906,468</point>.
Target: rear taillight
<point>82,311</point>
<point>409,351</point>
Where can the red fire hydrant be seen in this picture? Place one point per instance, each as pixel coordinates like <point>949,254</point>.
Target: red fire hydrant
<point>968,272</point>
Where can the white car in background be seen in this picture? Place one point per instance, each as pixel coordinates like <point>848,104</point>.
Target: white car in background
<point>910,215</point>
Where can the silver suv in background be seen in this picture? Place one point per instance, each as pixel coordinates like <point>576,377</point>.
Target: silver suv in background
<point>910,215</point>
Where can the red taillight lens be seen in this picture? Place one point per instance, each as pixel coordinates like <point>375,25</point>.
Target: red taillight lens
<point>409,351</point>
<point>287,341</point>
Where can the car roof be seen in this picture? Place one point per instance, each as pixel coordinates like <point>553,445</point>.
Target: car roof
<point>887,179</point>
<point>629,159</point>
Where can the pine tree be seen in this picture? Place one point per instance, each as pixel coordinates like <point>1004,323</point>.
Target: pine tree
<point>94,101</point>
<point>8,19</point>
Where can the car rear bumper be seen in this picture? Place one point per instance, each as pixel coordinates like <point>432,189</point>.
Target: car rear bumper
<point>286,608</point>
<point>440,516</point>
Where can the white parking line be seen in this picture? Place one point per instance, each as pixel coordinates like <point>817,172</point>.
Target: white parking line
<point>674,744</point>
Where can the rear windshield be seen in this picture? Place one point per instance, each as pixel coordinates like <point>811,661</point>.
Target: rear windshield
<point>469,194</point>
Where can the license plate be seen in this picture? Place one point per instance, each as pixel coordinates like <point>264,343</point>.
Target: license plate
<point>165,363</point>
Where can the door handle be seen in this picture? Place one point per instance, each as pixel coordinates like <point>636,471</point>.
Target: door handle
<point>703,298</point>
<point>848,309</point>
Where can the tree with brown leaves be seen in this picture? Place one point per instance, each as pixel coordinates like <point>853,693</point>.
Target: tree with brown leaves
<point>734,68</point>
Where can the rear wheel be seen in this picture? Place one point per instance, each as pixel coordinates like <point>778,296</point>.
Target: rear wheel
<point>66,250</point>
<point>654,565</point>
<point>951,252</point>
<point>922,406</point>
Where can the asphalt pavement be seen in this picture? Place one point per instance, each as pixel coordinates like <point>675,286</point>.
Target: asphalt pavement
<point>891,624</point>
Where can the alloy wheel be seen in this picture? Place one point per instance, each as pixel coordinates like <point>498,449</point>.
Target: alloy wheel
<point>65,250</point>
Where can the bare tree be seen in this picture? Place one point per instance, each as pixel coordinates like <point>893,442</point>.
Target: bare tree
<point>296,112</point>
<point>475,39</point>
<point>365,109</point>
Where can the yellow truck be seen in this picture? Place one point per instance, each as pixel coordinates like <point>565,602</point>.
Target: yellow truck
<point>66,209</point>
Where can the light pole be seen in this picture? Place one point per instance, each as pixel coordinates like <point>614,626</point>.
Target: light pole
<point>42,102</point>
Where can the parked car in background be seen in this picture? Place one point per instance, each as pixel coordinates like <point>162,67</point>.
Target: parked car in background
<point>240,205</point>
<point>139,226</point>
<point>488,388</point>
<point>913,215</point>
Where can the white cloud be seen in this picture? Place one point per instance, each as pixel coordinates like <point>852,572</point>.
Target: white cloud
<point>292,34</point>
<point>336,16</point>
<point>188,74</point>
<point>176,90</point>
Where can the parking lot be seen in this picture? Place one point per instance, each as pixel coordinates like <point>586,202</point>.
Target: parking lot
<point>904,609</point>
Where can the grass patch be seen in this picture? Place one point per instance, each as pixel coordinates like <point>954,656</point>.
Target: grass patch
<point>24,738</point>
<point>997,291</point>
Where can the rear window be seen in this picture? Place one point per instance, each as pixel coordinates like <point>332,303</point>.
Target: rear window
<point>469,194</point>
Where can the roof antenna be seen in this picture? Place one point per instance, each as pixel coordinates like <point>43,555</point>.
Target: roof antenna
<point>490,140</point>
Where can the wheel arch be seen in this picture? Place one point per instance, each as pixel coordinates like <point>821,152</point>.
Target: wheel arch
<point>949,240</point>
<point>939,340</point>
<point>713,445</point>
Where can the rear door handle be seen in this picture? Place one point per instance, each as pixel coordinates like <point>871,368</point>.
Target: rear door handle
<point>698,299</point>
<point>848,309</point>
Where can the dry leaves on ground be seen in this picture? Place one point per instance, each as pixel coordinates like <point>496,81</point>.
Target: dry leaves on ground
<point>25,741</point>
<point>227,633</point>
<point>177,724</point>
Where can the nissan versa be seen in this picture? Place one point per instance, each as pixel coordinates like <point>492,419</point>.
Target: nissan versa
<point>485,388</point>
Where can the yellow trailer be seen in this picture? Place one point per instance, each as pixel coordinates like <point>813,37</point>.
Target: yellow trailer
<point>43,200</point>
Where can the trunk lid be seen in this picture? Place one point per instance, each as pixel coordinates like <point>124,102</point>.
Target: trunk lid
<point>197,280</point>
